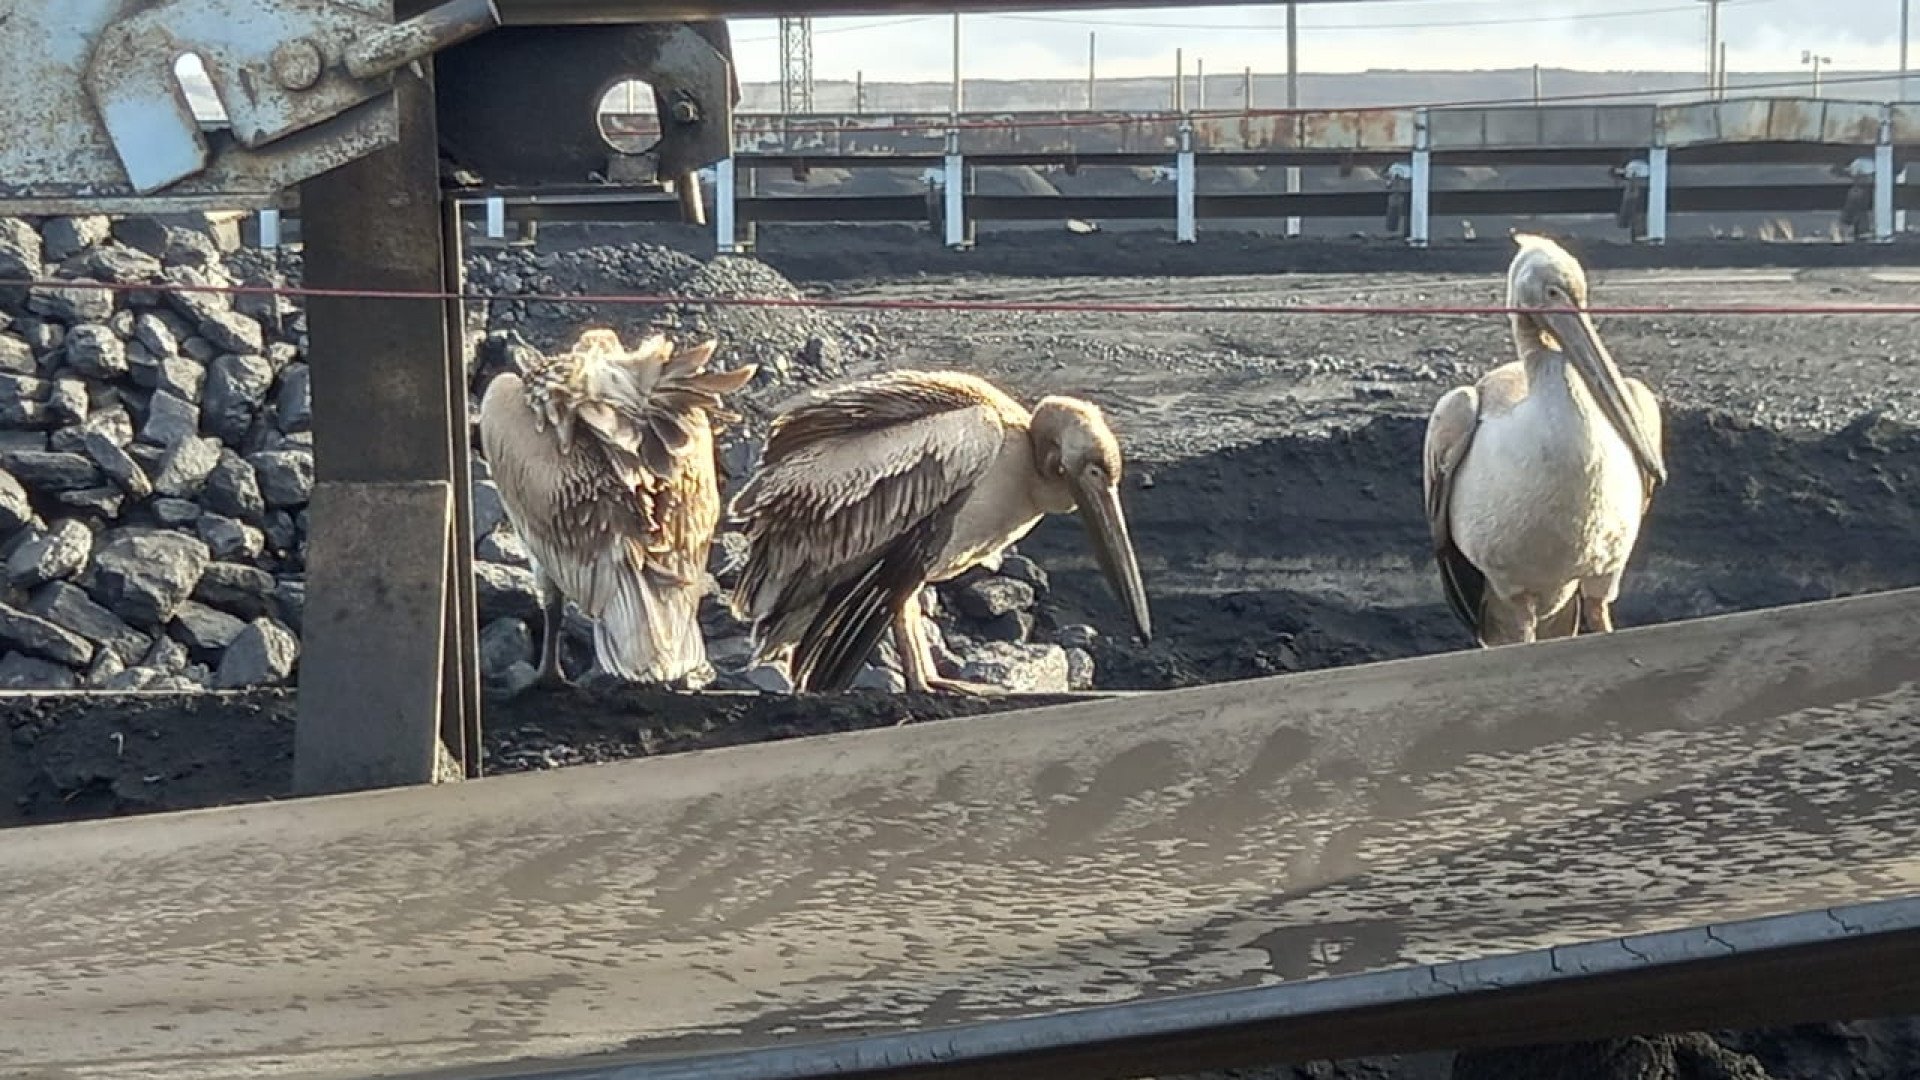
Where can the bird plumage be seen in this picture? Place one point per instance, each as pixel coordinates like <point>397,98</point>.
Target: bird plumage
<point>1537,476</point>
<point>604,460</point>
<point>877,487</point>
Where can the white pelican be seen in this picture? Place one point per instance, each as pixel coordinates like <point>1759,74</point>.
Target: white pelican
<point>605,462</point>
<point>1537,476</point>
<point>876,488</point>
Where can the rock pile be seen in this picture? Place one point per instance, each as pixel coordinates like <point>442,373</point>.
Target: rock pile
<point>156,459</point>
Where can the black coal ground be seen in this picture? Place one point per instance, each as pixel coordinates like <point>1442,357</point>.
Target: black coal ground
<point>1263,555</point>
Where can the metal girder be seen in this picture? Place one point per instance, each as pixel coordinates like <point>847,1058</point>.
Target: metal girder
<point>388,667</point>
<point>1700,824</point>
<point>521,106</point>
<point>601,12</point>
<point>99,123</point>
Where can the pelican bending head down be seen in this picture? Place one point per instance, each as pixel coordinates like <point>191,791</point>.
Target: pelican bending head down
<point>876,488</point>
<point>1537,477</point>
<point>604,459</point>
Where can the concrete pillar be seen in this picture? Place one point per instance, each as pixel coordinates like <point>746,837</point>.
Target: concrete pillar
<point>269,229</point>
<point>1657,195</point>
<point>496,218</point>
<point>1293,188</point>
<point>1883,182</point>
<point>1420,183</point>
<point>956,193</point>
<point>725,239</point>
<point>1183,188</point>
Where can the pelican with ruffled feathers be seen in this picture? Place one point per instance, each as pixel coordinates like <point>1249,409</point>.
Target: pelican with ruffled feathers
<point>877,487</point>
<point>1538,476</point>
<point>604,459</point>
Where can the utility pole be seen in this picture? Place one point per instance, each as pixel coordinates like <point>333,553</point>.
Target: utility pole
<point>1713,45</point>
<point>1905,95</point>
<point>1200,83</point>
<point>1090,55</point>
<point>1536,84</point>
<point>1808,56</point>
<point>959,95</point>
<point>1179,81</point>
<point>796,65</point>
<point>1293,102</point>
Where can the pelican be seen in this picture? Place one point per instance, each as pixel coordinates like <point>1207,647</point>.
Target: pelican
<point>876,488</point>
<point>1537,476</point>
<point>604,459</point>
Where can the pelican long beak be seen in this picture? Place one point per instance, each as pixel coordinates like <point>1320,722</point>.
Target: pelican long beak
<point>1581,341</point>
<point>1106,524</point>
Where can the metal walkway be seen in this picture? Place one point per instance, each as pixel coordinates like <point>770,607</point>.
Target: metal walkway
<point>1563,840</point>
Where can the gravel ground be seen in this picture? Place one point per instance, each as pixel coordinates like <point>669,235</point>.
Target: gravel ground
<point>1273,489</point>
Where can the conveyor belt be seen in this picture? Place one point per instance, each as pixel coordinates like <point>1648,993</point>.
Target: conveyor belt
<point>946,895</point>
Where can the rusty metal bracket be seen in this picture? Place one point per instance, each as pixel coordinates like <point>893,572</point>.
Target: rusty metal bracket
<point>520,107</point>
<point>102,123</point>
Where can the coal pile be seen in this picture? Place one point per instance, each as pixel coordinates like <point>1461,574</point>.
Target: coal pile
<point>156,458</point>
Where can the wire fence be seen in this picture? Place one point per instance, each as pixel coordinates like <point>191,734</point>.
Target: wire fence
<point>955,304</point>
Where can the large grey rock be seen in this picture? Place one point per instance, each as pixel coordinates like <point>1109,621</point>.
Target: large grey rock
<point>235,389</point>
<point>285,476</point>
<point>81,302</point>
<point>263,654</point>
<point>104,502</point>
<point>230,540</point>
<point>505,592</point>
<point>1021,568</point>
<point>176,512</point>
<point>69,606</point>
<point>1021,669</point>
<point>167,655</point>
<point>15,509</point>
<point>182,376</point>
<point>204,630</point>
<point>119,466</point>
<point>23,403</point>
<point>96,352</point>
<point>488,510</point>
<point>186,466</point>
<point>19,671</point>
<point>16,356</point>
<point>233,489</point>
<point>106,665</point>
<point>64,237</point>
<point>232,332</point>
<point>68,401</point>
<point>504,643</point>
<point>36,636</point>
<point>119,264</point>
<point>237,589</point>
<point>992,597</point>
<point>144,577</point>
<point>48,471</point>
<point>189,297</point>
<point>290,601</point>
<point>21,256</point>
<point>59,552</point>
<point>154,331</point>
<point>503,546</point>
<point>293,402</point>
<point>170,420</point>
<point>1080,670</point>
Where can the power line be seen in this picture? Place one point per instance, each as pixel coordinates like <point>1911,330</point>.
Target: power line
<point>1129,24</point>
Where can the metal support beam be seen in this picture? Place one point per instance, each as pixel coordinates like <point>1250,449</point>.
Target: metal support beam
<point>496,218</point>
<point>1657,195</point>
<point>1293,102</point>
<point>1420,183</point>
<point>460,663</point>
<point>725,240</point>
<point>1883,181</point>
<point>954,191</point>
<point>1183,183</point>
<point>269,229</point>
<point>380,669</point>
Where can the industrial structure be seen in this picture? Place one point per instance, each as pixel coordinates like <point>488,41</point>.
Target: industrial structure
<point>1386,860</point>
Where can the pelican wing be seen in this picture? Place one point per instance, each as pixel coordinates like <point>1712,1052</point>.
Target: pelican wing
<point>854,501</point>
<point>1449,435</point>
<point>621,520</point>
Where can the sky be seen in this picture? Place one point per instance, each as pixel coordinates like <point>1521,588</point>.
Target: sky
<point>1761,35</point>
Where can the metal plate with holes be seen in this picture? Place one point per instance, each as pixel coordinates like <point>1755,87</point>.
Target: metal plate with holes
<point>1367,851</point>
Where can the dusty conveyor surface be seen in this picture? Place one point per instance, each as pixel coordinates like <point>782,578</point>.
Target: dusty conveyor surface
<point>1309,842</point>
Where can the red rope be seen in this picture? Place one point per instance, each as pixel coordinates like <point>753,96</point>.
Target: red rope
<point>1041,306</point>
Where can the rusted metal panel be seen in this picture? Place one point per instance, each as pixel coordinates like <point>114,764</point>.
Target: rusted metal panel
<point>1906,124</point>
<point>1247,133</point>
<point>1356,129</point>
<point>99,123</point>
<point>1795,120</point>
<point>1851,123</point>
